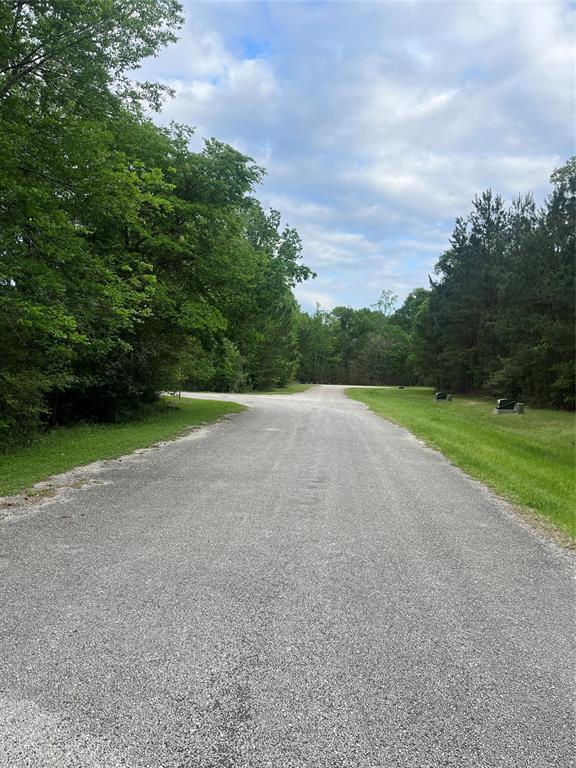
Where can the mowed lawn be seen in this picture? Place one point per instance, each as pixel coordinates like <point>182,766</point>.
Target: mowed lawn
<point>528,459</point>
<point>63,448</point>
<point>289,389</point>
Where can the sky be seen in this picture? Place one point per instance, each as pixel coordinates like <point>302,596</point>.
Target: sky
<point>378,122</point>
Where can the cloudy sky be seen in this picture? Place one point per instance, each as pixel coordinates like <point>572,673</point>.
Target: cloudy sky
<point>378,121</point>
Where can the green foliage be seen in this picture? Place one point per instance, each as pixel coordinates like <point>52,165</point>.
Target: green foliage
<point>128,263</point>
<point>229,374</point>
<point>528,459</point>
<point>57,51</point>
<point>355,346</point>
<point>405,316</point>
<point>500,317</point>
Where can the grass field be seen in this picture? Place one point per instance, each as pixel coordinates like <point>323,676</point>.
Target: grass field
<point>289,389</point>
<point>61,449</point>
<point>527,459</point>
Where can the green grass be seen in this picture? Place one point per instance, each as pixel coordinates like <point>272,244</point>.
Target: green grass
<point>527,459</point>
<point>289,389</point>
<point>63,448</point>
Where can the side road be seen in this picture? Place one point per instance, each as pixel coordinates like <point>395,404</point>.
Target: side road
<point>303,585</point>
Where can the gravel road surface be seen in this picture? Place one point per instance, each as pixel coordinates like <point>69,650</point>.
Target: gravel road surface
<point>301,585</point>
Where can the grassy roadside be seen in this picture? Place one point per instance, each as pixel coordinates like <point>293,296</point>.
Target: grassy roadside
<point>64,448</point>
<point>527,459</point>
<point>289,389</point>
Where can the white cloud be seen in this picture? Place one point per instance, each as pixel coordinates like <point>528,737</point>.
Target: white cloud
<point>328,247</point>
<point>309,297</point>
<point>304,210</point>
<point>379,122</point>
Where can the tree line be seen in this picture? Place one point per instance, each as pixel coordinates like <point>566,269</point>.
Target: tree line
<point>372,345</point>
<point>498,317</point>
<point>128,263</point>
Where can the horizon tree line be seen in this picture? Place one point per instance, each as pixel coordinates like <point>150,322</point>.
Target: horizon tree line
<point>498,316</point>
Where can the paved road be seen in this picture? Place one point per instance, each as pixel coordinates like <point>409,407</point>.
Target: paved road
<point>301,585</point>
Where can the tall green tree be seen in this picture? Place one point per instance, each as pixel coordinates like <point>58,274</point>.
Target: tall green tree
<point>128,263</point>
<point>500,315</point>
